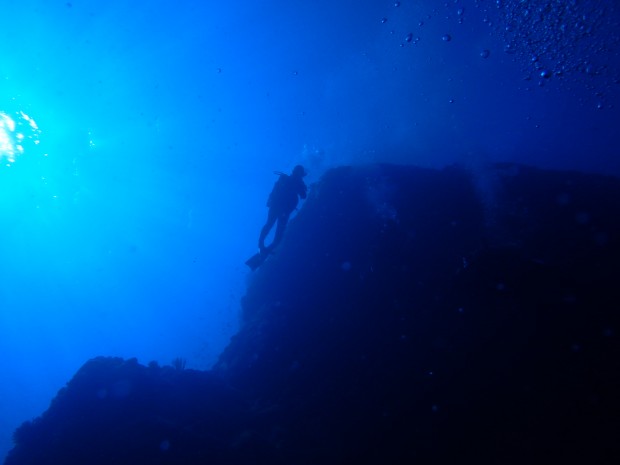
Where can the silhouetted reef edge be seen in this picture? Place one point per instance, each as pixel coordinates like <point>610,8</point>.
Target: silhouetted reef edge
<point>410,315</point>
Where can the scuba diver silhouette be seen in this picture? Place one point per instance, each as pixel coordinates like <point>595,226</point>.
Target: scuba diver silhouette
<point>282,201</point>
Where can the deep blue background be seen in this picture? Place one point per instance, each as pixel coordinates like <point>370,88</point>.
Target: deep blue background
<point>126,220</point>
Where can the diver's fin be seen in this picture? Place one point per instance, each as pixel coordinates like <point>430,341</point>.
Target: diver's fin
<point>257,260</point>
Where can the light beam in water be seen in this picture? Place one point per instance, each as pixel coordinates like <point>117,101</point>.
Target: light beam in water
<point>14,132</point>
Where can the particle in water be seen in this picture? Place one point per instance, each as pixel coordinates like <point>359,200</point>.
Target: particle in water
<point>446,38</point>
<point>485,53</point>
<point>510,49</point>
<point>409,37</point>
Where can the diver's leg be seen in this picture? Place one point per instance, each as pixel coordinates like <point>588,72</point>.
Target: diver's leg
<point>282,222</point>
<point>271,219</point>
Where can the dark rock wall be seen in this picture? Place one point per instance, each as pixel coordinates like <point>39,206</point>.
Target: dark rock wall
<point>409,316</point>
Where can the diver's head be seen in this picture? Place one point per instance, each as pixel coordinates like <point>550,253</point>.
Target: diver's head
<point>299,171</point>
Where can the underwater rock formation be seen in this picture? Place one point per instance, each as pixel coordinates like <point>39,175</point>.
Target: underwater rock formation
<point>409,316</point>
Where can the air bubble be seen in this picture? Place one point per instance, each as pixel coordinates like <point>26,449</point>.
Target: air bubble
<point>485,53</point>
<point>446,38</point>
<point>510,49</point>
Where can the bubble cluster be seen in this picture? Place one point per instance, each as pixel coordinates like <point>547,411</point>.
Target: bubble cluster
<point>572,43</point>
<point>560,38</point>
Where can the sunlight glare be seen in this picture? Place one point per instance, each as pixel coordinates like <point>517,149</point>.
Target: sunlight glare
<point>13,138</point>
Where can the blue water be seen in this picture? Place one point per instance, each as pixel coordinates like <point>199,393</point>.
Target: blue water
<point>138,140</point>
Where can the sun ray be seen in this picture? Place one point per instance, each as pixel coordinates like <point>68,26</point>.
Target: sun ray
<point>14,133</point>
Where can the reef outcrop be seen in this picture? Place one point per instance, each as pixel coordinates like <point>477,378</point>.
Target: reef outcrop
<point>409,316</point>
